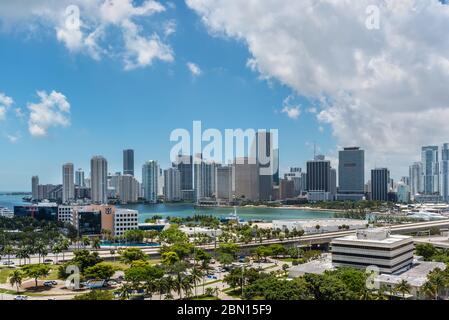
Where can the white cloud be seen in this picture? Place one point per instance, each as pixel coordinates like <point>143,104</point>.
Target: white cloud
<point>12,138</point>
<point>194,69</point>
<point>113,28</point>
<point>292,112</point>
<point>5,103</point>
<point>51,111</point>
<point>385,90</point>
<point>288,107</point>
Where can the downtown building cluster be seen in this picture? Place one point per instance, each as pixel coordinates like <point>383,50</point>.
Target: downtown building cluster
<point>245,180</point>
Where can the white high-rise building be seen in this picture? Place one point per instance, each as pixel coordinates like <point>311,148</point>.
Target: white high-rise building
<point>127,188</point>
<point>172,184</point>
<point>99,179</point>
<point>150,180</point>
<point>79,178</point>
<point>204,179</point>
<point>416,182</point>
<point>445,172</point>
<point>68,185</point>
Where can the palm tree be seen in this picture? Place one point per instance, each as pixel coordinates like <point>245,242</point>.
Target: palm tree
<point>150,287</point>
<point>124,291</point>
<point>186,285</point>
<point>41,250</point>
<point>403,287</point>
<point>8,250</point>
<point>56,249</point>
<point>22,253</point>
<point>96,243</point>
<point>64,245</point>
<point>438,279</point>
<point>429,289</point>
<point>16,279</point>
<point>85,240</point>
<point>197,276</point>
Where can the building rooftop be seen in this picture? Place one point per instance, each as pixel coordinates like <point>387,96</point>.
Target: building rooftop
<point>319,266</point>
<point>416,276</point>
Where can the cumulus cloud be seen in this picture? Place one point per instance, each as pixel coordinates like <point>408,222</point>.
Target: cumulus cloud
<point>90,27</point>
<point>51,111</point>
<point>383,89</point>
<point>291,109</point>
<point>5,103</point>
<point>194,69</point>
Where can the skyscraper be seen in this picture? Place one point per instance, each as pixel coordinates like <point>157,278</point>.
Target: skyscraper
<point>246,179</point>
<point>351,174</point>
<point>319,179</point>
<point>267,158</point>
<point>416,179</point>
<point>184,163</point>
<point>128,162</point>
<point>431,170</point>
<point>224,183</point>
<point>35,187</point>
<point>319,175</point>
<point>99,179</point>
<point>445,172</point>
<point>204,182</point>
<point>79,178</point>
<point>127,188</point>
<point>150,180</point>
<point>172,184</point>
<point>68,185</point>
<point>379,184</point>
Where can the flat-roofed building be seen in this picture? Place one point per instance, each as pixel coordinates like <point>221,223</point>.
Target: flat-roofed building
<point>124,220</point>
<point>373,247</point>
<point>310,226</point>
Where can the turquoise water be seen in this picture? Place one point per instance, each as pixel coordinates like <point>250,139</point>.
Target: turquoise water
<point>185,210</point>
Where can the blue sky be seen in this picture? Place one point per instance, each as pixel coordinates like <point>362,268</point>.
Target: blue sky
<point>112,108</point>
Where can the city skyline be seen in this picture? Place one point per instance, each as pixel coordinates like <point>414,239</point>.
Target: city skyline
<point>94,90</point>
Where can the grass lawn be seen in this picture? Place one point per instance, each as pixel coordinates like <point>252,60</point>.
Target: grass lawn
<point>53,274</point>
<point>4,274</point>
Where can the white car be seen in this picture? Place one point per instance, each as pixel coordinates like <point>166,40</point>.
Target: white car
<point>8,263</point>
<point>21,298</point>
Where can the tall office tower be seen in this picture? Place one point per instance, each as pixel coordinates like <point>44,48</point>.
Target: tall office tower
<point>161,183</point>
<point>319,179</point>
<point>204,182</point>
<point>68,185</point>
<point>295,174</point>
<point>351,174</point>
<point>267,158</point>
<point>319,175</point>
<point>246,179</point>
<point>403,192</point>
<point>431,170</point>
<point>445,172</point>
<point>127,188</point>
<point>128,162</point>
<point>99,180</point>
<point>150,180</point>
<point>379,184</point>
<point>333,183</point>
<point>35,187</point>
<point>172,184</point>
<point>184,164</point>
<point>405,180</point>
<point>416,179</point>
<point>224,183</point>
<point>79,178</point>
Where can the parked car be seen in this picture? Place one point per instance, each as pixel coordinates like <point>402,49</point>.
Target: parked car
<point>48,261</point>
<point>8,263</point>
<point>49,283</point>
<point>21,298</point>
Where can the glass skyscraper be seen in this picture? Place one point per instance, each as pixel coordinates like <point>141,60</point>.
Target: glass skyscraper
<point>431,170</point>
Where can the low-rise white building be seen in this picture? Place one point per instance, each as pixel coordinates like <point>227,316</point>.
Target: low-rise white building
<point>373,247</point>
<point>310,226</point>
<point>191,231</point>
<point>124,220</point>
